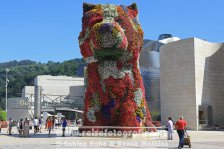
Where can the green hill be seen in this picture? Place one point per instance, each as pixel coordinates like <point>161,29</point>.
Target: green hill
<point>23,72</point>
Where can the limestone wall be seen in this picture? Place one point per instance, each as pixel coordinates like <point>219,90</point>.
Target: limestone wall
<point>47,80</point>
<point>192,74</point>
<point>17,108</point>
<point>209,61</point>
<point>177,82</point>
<point>57,88</point>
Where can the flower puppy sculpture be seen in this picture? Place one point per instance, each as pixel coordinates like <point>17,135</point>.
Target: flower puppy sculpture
<point>110,41</point>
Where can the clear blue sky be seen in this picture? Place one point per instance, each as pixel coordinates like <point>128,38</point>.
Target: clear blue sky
<point>44,30</point>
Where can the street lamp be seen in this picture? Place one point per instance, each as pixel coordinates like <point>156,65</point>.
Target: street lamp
<point>6,86</point>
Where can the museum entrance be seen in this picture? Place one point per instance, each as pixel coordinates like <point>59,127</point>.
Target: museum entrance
<point>205,115</point>
<point>70,114</point>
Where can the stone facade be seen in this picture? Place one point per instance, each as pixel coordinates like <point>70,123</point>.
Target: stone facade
<point>192,75</point>
<point>17,108</point>
<point>60,93</point>
<point>209,66</point>
<point>150,70</point>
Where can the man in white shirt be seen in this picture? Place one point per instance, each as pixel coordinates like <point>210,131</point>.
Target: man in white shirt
<point>36,124</point>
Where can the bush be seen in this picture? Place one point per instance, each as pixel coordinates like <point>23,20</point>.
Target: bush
<point>155,115</point>
<point>2,115</point>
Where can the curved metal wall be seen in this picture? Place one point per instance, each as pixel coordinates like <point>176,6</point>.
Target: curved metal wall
<point>151,79</point>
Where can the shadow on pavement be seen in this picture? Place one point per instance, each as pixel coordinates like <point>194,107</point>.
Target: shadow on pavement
<point>39,135</point>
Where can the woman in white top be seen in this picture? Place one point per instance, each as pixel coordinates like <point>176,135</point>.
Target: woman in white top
<point>170,128</point>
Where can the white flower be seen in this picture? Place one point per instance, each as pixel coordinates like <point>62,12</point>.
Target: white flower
<point>81,40</point>
<point>109,13</point>
<point>90,59</point>
<point>129,72</point>
<point>109,68</point>
<point>138,96</point>
<point>107,40</point>
<point>91,115</point>
<point>127,55</point>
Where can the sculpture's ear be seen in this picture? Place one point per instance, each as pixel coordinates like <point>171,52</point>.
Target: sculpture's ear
<point>87,7</point>
<point>134,9</point>
<point>133,6</point>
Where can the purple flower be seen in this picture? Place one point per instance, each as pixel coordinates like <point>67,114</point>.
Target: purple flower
<point>106,109</point>
<point>138,119</point>
<point>106,28</point>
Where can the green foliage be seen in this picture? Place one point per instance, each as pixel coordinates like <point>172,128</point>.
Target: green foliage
<point>2,115</point>
<point>22,73</point>
<point>108,53</point>
<point>155,115</point>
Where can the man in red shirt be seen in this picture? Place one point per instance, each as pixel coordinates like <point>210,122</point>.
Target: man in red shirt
<point>181,126</point>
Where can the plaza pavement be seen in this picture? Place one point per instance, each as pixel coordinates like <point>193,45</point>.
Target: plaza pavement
<point>200,140</point>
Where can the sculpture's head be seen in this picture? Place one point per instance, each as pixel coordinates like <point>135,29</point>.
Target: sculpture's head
<point>108,31</point>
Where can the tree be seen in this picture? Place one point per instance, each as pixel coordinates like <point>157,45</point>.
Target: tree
<point>22,73</point>
<point>155,115</point>
<point>2,115</point>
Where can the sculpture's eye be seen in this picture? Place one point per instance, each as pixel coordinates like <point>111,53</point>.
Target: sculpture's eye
<point>92,18</point>
<point>118,20</point>
<point>95,20</point>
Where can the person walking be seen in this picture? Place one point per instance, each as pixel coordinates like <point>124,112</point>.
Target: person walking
<point>181,125</point>
<point>17,125</point>
<point>26,128</point>
<point>36,125</point>
<point>40,124</point>
<point>64,125</point>
<point>21,127</point>
<point>53,123</point>
<point>0,126</point>
<point>10,126</point>
<point>46,123</point>
<point>170,128</point>
<point>49,125</point>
